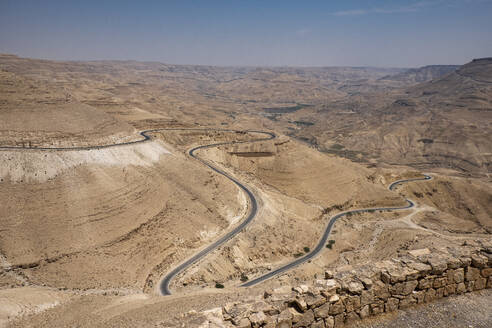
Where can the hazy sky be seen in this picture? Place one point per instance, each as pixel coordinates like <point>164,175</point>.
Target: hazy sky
<point>295,33</point>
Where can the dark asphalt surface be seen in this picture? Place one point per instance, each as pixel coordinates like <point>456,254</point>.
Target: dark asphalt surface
<point>324,238</point>
<point>166,280</point>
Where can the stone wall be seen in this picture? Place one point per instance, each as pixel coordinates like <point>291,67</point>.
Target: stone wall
<point>351,294</point>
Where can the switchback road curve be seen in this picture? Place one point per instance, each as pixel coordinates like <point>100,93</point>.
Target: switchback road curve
<point>166,280</point>
<point>324,238</point>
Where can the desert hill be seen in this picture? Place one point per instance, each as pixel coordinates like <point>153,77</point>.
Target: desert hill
<point>441,123</point>
<point>422,74</point>
<point>88,234</point>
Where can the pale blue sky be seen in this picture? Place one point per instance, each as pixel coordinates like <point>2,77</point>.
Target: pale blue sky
<point>268,33</point>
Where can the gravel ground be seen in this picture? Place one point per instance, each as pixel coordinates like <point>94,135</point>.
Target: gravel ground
<point>473,310</point>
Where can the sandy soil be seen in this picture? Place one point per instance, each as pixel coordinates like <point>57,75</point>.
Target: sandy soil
<point>85,236</point>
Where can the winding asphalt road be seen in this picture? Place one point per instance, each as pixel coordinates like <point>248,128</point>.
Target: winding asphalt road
<point>324,238</point>
<point>166,280</point>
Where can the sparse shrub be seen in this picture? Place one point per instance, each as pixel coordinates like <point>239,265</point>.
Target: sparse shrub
<point>426,141</point>
<point>244,277</point>
<point>329,246</point>
<point>298,254</point>
<point>218,285</point>
<point>331,241</point>
<point>306,249</point>
<point>337,146</point>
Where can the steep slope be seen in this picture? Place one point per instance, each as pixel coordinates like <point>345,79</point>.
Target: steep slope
<point>444,123</point>
<point>422,74</point>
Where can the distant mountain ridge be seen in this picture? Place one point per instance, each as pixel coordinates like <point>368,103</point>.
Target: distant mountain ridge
<point>422,74</point>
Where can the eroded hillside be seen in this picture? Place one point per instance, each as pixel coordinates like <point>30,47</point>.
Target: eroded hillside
<point>91,228</point>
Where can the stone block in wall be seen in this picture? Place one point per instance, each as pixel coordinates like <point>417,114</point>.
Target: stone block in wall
<point>306,319</point>
<point>330,286</point>
<point>453,262</point>
<point>489,259</point>
<point>422,268</point>
<point>470,286</point>
<point>407,301</point>
<point>396,289</point>
<point>351,284</point>
<point>480,283</point>
<point>314,301</point>
<point>366,281</point>
<point>244,323</point>
<point>339,319</point>
<point>355,287</point>
<point>440,292</point>
<point>377,307</point>
<point>479,261</point>
<point>419,252</point>
<point>489,282</point>
<point>419,296</point>
<point>397,274</point>
<point>486,272</point>
<point>295,315</point>
<point>351,302</point>
<point>365,311</point>
<point>271,322</point>
<point>449,274</point>
<point>438,264</point>
<point>426,283</point>
<point>265,307</point>
<point>351,317</point>
<point>430,295</point>
<point>471,273</point>
<point>318,324</point>
<point>284,319</point>
<point>257,319</point>
<point>450,289</point>
<point>336,308</point>
<point>333,298</point>
<point>459,275</point>
<point>330,322</point>
<point>236,311</point>
<point>301,289</point>
<point>409,287</point>
<point>299,304</point>
<point>380,290</point>
<point>465,261</point>
<point>366,297</point>
<point>391,304</point>
<point>460,288</point>
<point>322,311</point>
<point>440,282</point>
